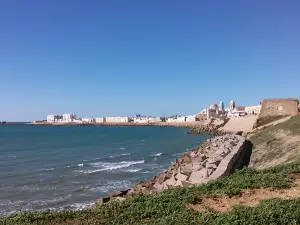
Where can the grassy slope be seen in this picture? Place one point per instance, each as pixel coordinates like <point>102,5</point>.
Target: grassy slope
<point>276,144</point>
<point>168,207</point>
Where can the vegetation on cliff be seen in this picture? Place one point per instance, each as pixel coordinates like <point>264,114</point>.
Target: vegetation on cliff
<point>277,144</point>
<point>185,205</point>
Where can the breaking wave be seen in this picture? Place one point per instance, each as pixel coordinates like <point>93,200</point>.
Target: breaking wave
<point>110,166</point>
<point>158,154</point>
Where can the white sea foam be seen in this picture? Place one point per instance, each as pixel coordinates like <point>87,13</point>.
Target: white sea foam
<point>110,166</point>
<point>158,154</point>
<point>133,170</point>
<point>113,156</point>
<point>109,186</point>
<point>49,169</point>
<point>81,165</point>
<point>122,148</point>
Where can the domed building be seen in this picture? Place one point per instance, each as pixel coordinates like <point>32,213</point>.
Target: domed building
<point>213,106</point>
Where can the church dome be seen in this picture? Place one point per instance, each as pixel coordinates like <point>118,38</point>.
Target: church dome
<point>213,106</point>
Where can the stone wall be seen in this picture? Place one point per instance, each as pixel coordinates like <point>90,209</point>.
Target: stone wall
<point>281,106</point>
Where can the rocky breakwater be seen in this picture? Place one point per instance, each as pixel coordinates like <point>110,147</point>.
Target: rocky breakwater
<point>214,158</point>
<point>207,129</point>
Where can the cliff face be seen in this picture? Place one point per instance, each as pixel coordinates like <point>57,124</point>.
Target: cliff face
<point>276,145</point>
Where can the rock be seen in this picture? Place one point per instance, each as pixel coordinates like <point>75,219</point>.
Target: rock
<point>154,191</point>
<point>145,191</point>
<point>169,175</point>
<point>170,181</point>
<point>197,166</point>
<point>211,165</point>
<point>193,155</point>
<point>196,177</point>
<point>233,143</point>
<point>186,159</point>
<point>178,183</point>
<point>120,193</point>
<point>204,172</point>
<point>186,184</point>
<point>220,151</point>
<point>138,188</point>
<point>103,200</point>
<point>239,133</point>
<point>175,172</point>
<point>158,186</point>
<point>186,169</point>
<point>161,178</point>
<point>210,171</point>
<point>181,177</point>
<point>200,158</point>
<point>146,184</point>
<point>131,192</point>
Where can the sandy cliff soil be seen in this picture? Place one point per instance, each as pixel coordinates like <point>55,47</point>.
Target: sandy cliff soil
<point>276,144</point>
<point>236,124</point>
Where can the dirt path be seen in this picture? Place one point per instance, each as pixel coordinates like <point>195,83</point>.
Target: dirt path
<point>246,198</point>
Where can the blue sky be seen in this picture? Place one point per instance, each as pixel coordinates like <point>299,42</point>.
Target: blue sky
<point>100,58</point>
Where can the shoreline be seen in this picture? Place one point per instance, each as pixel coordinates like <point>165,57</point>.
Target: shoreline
<point>214,158</point>
<point>163,124</point>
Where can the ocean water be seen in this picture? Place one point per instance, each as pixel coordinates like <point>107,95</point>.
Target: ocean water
<point>70,167</point>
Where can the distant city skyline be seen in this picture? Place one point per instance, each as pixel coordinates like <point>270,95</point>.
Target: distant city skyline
<point>160,58</point>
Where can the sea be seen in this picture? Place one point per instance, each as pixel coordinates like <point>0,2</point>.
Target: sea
<point>70,167</point>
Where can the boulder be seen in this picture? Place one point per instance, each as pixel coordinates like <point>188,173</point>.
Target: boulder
<point>210,171</point>
<point>131,192</point>
<point>170,182</point>
<point>186,169</point>
<point>154,191</point>
<point>146,184</point>
<point>197,166</point>
<point>103,200</point>
<point>204,172</point>
<point>196,177</point>
<point>178,184</point>
<point>211,165</point>
<point>193,155</point>
<point>138,188</point>
<point>186,184</point>
<point>145,191</point>
<point>158,186</point>
<point>186,159</point>
<point>161,178</point>
<point>200,158</point>
<point>220,151</point>
<point>181,177</point>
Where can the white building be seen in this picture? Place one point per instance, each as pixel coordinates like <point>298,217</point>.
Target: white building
<point>190,119</point>
<point>50,119</point>
<point>253,110</point>
<point>117,119</point>
<point>178,119</point>
<point>68,117</point>
<point>65,118</point>
<point>100,120</point>
<point>88,120</point>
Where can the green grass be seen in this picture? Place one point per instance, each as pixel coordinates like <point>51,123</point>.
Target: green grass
<point>292,126</point>
<point>168,207</point>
